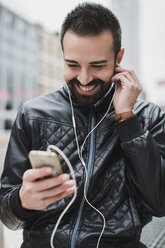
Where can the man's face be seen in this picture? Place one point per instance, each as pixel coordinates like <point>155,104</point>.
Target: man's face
<point>89,65</point>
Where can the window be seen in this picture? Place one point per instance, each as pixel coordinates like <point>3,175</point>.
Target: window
<point>10,82</point>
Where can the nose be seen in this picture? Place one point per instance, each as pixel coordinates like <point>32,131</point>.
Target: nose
<point>84,76</point>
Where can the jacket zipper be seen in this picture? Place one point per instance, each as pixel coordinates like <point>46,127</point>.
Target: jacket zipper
<point>89,170</point>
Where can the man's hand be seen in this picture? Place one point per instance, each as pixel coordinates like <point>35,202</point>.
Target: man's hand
<point>127,89</point>
<point>38,194</point>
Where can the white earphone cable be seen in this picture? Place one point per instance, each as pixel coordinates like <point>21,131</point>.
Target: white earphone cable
<point>80,151</point>
<point>81,157</point>
<point>49,148</point>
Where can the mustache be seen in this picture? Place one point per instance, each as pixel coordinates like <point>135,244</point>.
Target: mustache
<point>93,82</point>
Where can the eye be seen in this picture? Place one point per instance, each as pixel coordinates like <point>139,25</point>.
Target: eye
<point>97,66</point>
<point>72,65</point>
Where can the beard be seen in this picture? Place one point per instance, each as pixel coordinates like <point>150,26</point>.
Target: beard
<point>88,100</point>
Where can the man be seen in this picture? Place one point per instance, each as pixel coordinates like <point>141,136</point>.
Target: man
<point>123,152</point>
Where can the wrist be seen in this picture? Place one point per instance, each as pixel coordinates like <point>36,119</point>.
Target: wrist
<point>124,115</point>
<point>123,109</point>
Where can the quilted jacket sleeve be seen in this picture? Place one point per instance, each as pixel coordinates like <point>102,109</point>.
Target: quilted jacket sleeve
<point>11,212</point>
<point>145,156</point>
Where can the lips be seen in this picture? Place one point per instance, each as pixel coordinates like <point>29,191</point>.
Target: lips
<point>87,90</point>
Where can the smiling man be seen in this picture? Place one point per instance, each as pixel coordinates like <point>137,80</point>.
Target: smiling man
<point>115,143</point>
<point>89,68</point>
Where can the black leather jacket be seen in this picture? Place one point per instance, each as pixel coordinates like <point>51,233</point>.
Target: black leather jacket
<point>125,163</point>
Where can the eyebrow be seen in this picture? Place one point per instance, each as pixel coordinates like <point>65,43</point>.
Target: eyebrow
<point>71,61</point>
<point>98,62</point>
<point>91,63</point>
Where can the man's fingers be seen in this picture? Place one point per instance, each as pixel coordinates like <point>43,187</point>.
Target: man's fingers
<point>45,202</point>
<point>34,174</point>
<point>119,69</point>
<point>39,194</point>
<point>51,182</point>
<point>56,190</point>
<point>124,77</point>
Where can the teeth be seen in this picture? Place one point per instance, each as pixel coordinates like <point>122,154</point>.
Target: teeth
<point>86,88</point>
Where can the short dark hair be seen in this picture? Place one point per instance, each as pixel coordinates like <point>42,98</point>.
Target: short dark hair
<point>92,19</point>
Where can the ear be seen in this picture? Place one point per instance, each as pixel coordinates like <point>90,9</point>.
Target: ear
<point>120,56</point>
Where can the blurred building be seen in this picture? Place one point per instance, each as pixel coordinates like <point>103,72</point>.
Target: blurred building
<point>31,63</point>
<point>127,12</point>
<point>144,48</point>
<point>153,49</point>
<point>19,63</point>
<point>51,61</point>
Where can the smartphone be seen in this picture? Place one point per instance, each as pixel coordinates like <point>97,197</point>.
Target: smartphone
<point>40,159</point>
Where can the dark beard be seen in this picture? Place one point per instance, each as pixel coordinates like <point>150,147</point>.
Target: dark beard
<point>92,99</point>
